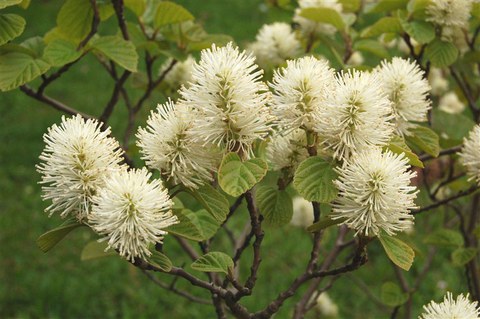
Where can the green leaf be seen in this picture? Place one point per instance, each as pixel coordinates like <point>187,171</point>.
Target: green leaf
<point>324,15</point>
<point>18,68</point>
<point>418,8</point>
<point>169,13</point>
<point>8,3</point>
<point>117,49</point>
<point>441,53</point>
<point>236,177</point>
<point>399,252</point>
<point>105,11</point>
<point>208,40</point>
<point>462,255</point>
<point>24,4</point>
<point>96,249</point>
<point>161,261</point>
<point>422,31</point>
<point>388,5</point>
<point>213,201</point>
<point>371,46</point>
<point>384,25</point>
<point>36,45</point>
<point>137,6</point>
<point>60,52</point>
<point>275,205</point>
<point>392,295</point>
<point>398,146</point>
<point>48,240</point>
<point>314,180</point>
<point>323,223</point>
<point>425,139</point>
<point>75,18</point>
<point>443,122</point>
<point>214,262</point>
<point>350,5</point>
<point>445,237</point>
<point>11,26</point>
<point>197,226</point>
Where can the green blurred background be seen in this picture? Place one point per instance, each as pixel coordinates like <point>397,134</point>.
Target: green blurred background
<point>59,285</point>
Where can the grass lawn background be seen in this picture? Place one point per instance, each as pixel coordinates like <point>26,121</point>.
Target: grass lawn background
<point>59,285</point>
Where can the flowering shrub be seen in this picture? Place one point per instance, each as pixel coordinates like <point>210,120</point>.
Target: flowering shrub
<point>333,121</point>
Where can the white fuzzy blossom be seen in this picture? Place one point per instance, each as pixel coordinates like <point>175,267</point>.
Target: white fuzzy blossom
<point>274,44</point>
<point>356,59</point>
<point>180,74</point>
<point>132,213</point>
<point>326,307</point>
<point>375,193</point>
<point>450,103</point>
<point>461,308</point>
<point>407,89</point>
<point>300,91</point>
<point>309,27</point>
<point>302,212</point>
<point>232,101</point>
<point>470,154</point>
<point>449,13</point>
<point>358,115</point>
<point>168,145</point>
<point>287,150</point>
<point>437,80</point>
<point>77,157</point>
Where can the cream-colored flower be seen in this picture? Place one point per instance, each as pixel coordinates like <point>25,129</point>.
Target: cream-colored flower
<point>470,154</point>
<point>302,212</point>
<point>461,308</point>
<point>77,157</point>
<point>450,103</point>
<point>132,212</point>
<point>287,150</point>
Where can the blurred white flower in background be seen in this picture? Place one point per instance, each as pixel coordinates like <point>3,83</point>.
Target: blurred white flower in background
<point>77,157</point>
<point>287,150</point>
<point>180,74</point>
<point>326,307</point>
<point>450,13</point>
<point>132,213</point>
<point>356,59</point>
<point>302,212</point>
<point>437,80</point>
<point>470,154</point>
<point>309,27</point>
<point>450,103</point>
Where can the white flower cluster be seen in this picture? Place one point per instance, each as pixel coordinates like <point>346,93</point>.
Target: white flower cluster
<point>274,44</point>
<point>84,178</point>
<point>452,16</point>
<point>470,154</point>
<point>451,308</point>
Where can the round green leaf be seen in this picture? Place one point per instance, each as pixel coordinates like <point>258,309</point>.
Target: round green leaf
<point>18,68</point>
<point>96,249</point>
<point>117,49</point>
<point>441,53</point>
<point>445,237</point>
<point>425,139</point>
<point>392,295</point>
<point>236,177</point>
<point>462,256</point>
<point>60,52</point>
<point>314,180</point>
<point>161,261</point>
<point>214,262</point>
<point>324,15</point>
<point>398,146</point>
<point>75,18</point>
<point>213,201</point>
<point>51,238</point>
<point>384,25</point>
<point>8,3</point>
<point>197,226</point>
<point>399,252</point>
<point>170,13</point>
<point>275,205</point>
<point>11,26</point>
<point>422,31</point>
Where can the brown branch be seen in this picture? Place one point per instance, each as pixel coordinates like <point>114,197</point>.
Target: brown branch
<point>107,112</point>
<point>466,93</point>
<point>175,290</point>
<point>119,8</point>
<point>52,102</point>
<point>446,200</point>
<point>95,23</point>
<point>448,151</point>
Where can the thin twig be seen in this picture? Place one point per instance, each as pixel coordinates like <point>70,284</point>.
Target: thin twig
<point>446,200</point>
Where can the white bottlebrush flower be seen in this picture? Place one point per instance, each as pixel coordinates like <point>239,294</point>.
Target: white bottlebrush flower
<point>407,89</point>
<point>462,308</point>
<point>450,103</point>
<point>309,27</point>
<point>437,80</point>
<point>449,13</point>
<point>375,193</point>
<point>274,44</point>
<point>168,144</point>
<point>302,212</point>
<point>470,154</point>
<point>132,212</point>
<point>77,157</point>
<point>287,150</point>
<point>300,91</point>
<point>231,99</point>
<point>358,115</point>
<point>180,74</point>
<point>326,307</point>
